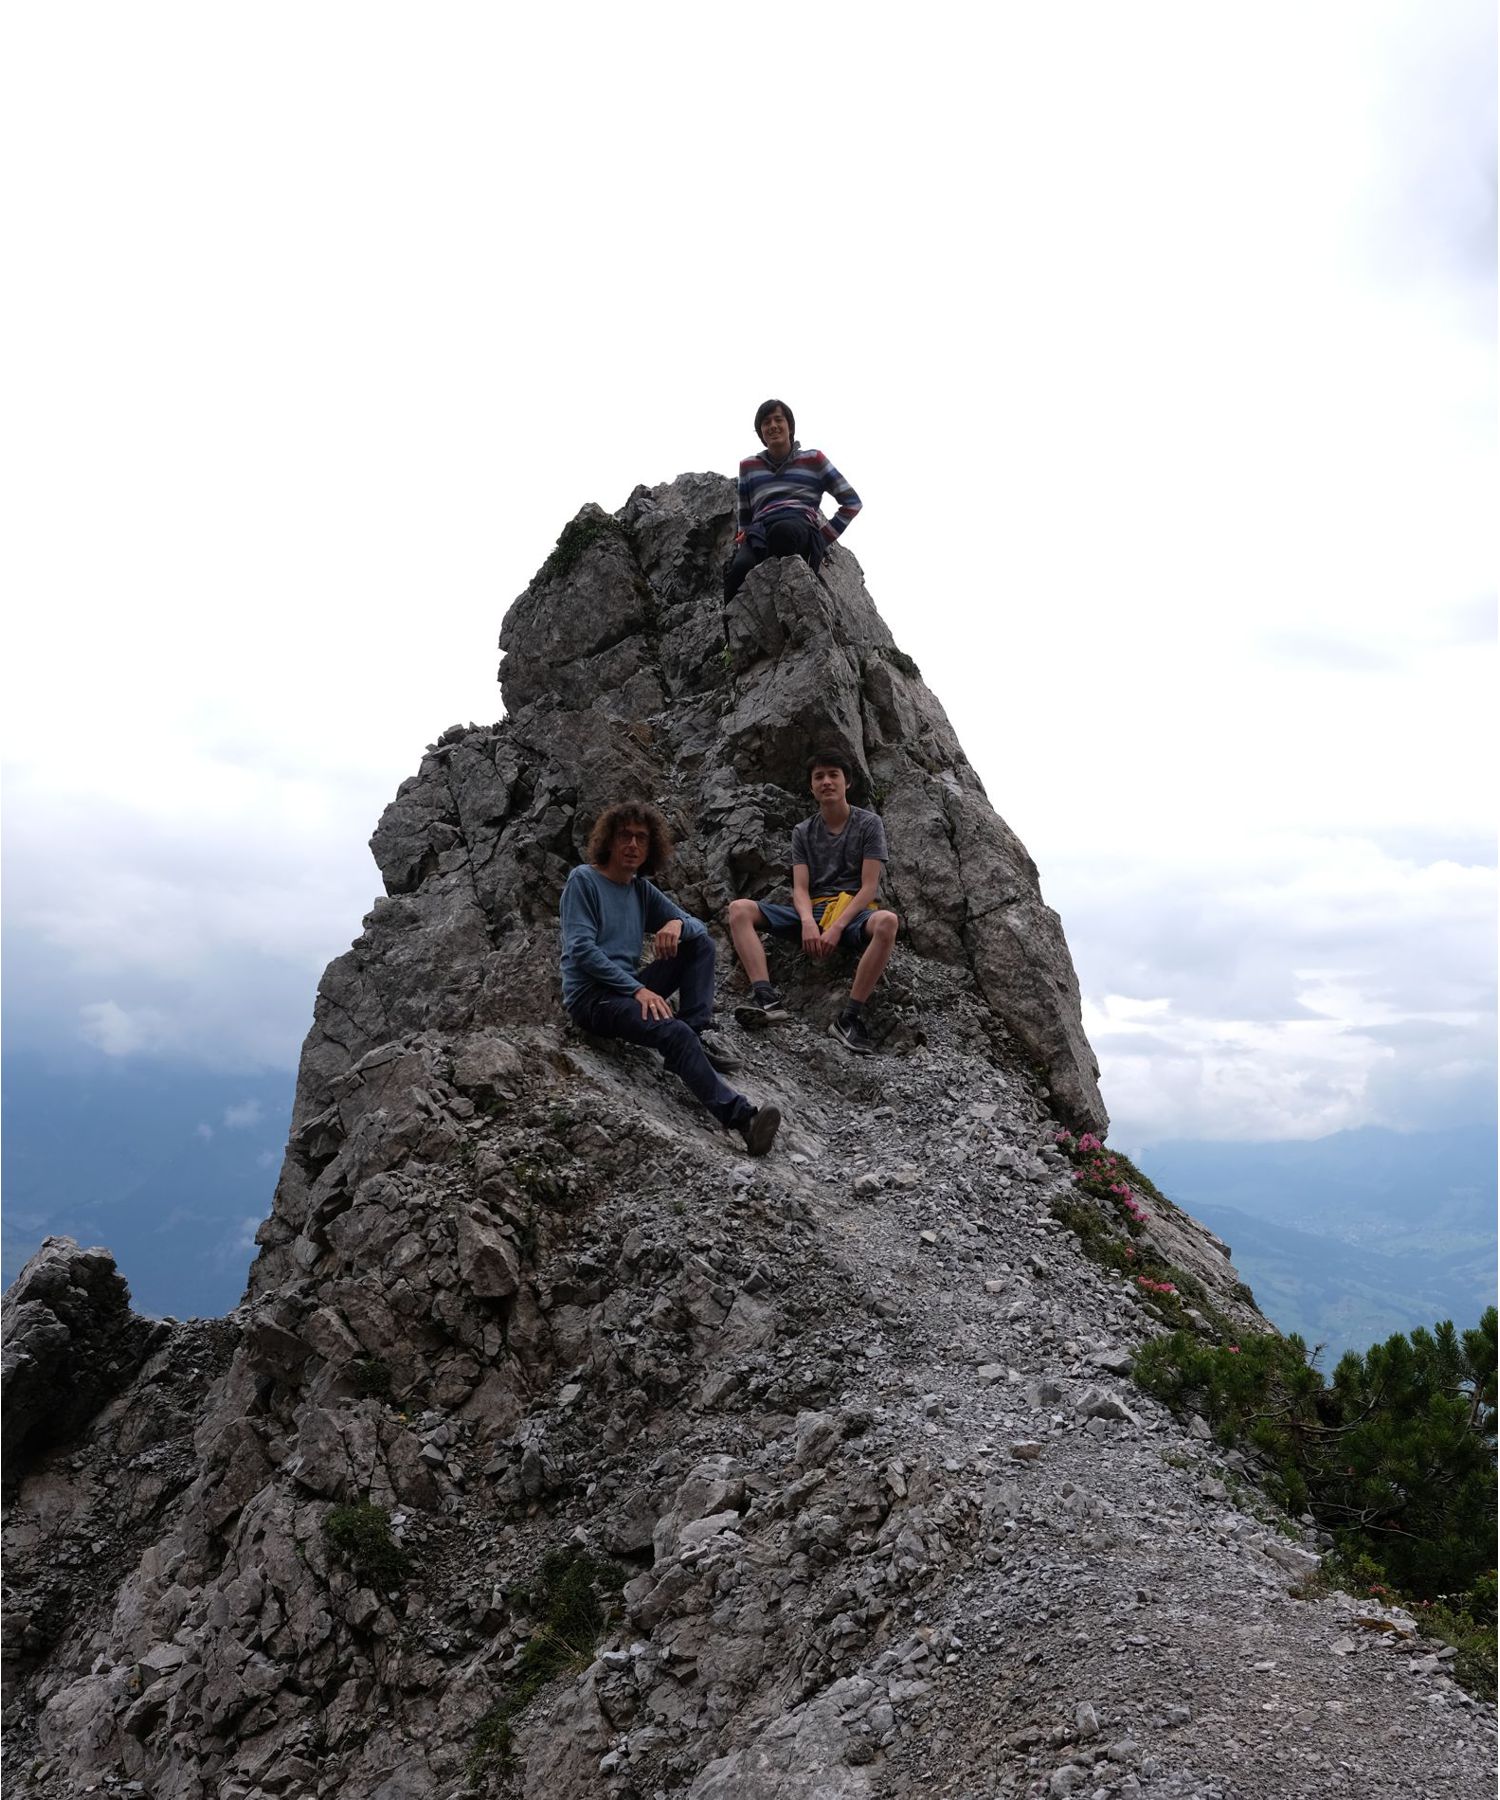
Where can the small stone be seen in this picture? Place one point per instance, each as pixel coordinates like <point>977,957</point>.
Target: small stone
<point>1026,1450</point>
<point>569,1393</point>
<point>928,1237</point>
<point>867,1185</point>
<point>991,1371</point>
<point>1086,1718</point>
<point>1095,1403</point>
<point>1343,1646</point>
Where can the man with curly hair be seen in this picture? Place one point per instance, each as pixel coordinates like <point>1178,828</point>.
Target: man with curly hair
<point>609,906</point>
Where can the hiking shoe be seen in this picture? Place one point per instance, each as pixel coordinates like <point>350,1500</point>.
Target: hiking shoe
<point>717,1051</point>
<point>759,1130</point>
<point>756,1015</point>
<point>852,1035</point>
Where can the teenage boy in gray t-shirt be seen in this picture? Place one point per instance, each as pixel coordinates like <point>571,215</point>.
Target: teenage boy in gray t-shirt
<point>836,854</point>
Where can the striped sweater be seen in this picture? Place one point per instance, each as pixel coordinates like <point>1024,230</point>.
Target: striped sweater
<point>796,484</point>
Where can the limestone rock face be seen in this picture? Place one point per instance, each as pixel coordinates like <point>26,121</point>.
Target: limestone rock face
<point>717,706</point>
<point>625,674</point>
<point>560,1452</point>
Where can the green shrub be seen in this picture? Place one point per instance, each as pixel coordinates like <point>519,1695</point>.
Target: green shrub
<point>1395,1457</point>
<point>372,1378</point>
<point>361,1537</point>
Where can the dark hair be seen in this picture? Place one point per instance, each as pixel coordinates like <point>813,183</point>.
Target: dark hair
<point>631,812</point>
<point>764,411</point>
<point>830,759</point>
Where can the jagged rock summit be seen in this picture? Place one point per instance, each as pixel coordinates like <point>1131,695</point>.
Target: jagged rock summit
<point>625,673</point>
<point>556,1451</point>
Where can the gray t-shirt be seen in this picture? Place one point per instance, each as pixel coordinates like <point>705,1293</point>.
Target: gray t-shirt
<point>835,860</point>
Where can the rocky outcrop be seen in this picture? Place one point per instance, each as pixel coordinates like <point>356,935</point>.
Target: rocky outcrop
<point>558,1451</point>
<point>625,673</point>
<point>69,1341</point>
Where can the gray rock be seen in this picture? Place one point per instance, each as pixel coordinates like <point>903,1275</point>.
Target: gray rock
<point>67,1343</point>
<point>1295,1561</point>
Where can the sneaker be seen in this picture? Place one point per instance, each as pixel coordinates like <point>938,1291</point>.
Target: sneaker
<point>759,1130</point>
<point>756,1014</point>
<point>717,1051</point>
<point>852,1035</point>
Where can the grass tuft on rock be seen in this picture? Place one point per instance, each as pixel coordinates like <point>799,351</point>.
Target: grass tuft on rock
<point>569,1602</point>
<point>576,537</point>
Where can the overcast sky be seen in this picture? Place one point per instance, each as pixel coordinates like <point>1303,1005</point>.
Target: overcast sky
<point>1158,339</point>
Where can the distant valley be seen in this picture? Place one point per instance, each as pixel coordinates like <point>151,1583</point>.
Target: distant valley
<point>1350,1237</point>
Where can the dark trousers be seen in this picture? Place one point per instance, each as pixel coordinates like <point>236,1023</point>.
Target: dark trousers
<point>782,536</point>
<point>612,1015</point>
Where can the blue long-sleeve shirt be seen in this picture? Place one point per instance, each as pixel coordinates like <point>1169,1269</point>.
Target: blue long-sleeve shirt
<point>603,925</point>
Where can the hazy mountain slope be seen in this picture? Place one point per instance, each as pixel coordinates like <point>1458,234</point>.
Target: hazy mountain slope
<point>173,1168</point>
<point>1348,1238</point>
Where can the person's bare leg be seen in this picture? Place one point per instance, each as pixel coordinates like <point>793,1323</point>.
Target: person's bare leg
<point>744,915</point>
<point>881,932</point>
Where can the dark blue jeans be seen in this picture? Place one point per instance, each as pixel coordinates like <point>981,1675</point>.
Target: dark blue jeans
<point>784,535</point>
<point>613,1015</point>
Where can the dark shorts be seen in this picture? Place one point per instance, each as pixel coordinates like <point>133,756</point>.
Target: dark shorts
<point>782,921</point>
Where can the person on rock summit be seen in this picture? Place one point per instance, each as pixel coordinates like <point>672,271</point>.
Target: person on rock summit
<point>837,856</point>
<point>609,906</point>
<point>779,499</point>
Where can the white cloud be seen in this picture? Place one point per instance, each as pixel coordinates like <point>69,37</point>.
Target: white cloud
<point>205,1132</point>
<point>1291,986</point>
<point>115,1031</point>
<point>244,1115</point>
